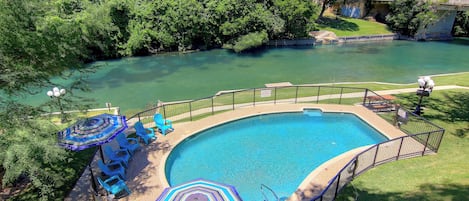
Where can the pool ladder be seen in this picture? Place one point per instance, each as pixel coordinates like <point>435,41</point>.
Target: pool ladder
<point>263,186</point>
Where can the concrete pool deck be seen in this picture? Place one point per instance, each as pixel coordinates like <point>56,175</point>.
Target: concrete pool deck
<point>146,171</point>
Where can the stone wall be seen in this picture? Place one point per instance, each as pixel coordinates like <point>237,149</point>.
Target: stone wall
<point>441,29</point>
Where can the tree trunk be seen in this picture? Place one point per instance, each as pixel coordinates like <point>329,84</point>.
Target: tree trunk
<point>324,3</point>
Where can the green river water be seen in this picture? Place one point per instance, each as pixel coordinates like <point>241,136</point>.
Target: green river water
<point>131,83</point>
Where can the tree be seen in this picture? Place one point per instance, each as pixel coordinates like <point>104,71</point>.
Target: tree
<point>249,41</point>
<point>36,43</point>
<point>461,24</point>
<point>407,16</point>
<point>324,5</point>
<point>299,16</point>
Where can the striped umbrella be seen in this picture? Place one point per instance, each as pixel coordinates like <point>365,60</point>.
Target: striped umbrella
<point>200,190</point>
<point>91,132</point>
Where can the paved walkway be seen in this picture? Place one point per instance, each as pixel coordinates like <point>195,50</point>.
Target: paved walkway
<point>146,170</point>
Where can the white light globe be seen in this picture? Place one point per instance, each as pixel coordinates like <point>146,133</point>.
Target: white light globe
<point>427,78</point>
<point>56,93</point>
<point>421,82</point>
<point>50,93</point>
<point>55,89</point>
<point>62,91</point>
<point>431,84</point>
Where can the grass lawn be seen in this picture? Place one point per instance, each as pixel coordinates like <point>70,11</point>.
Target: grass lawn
<point>342,26</point>
<point>439,177</point>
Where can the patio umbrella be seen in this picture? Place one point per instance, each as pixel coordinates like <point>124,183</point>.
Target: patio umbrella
<point>91,132</point>
<point>200,190</point>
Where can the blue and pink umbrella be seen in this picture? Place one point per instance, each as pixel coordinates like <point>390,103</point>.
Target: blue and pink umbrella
<point>200,190</point>
<point>91,132</point>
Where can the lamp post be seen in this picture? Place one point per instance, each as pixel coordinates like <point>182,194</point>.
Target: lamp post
<point>426,85</point>
<point>57,93</point>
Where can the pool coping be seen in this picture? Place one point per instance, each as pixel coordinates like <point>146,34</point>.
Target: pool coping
<point>150,179</point>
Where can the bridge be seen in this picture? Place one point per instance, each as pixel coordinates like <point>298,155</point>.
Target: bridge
<point>439,29</point>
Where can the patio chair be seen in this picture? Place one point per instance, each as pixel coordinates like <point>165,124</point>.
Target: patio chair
<point>112,169</point>
<point>164,125</point>
<point>130,144</point>
<point>120,155</point>
<point>114,185</point>
<point>145,134</point>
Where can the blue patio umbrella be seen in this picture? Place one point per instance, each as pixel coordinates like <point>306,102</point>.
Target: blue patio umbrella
<point>200,190</point>
<point>91,132</point>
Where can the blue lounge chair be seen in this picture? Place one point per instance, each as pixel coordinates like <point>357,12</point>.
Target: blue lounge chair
<point>145,134</point>
<point>112,169</point>
<point>114,185</point>
<point>164,125</point>
<point>130,144</point>
<point>121,155</point>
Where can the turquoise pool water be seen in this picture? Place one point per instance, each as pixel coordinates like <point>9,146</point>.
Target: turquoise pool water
<point>132,83</point>
<point>278,150</point>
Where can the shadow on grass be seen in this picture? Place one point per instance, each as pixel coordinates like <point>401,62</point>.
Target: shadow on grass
<point>338,23</point>
<point>427,192</point>
<point>451,107</point>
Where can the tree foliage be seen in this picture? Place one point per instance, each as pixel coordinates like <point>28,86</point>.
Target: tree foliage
<point>461,24</point>
<point>38,40</point>
<point>249,41</point>
<point>299,17</point>
<point>407,16</point>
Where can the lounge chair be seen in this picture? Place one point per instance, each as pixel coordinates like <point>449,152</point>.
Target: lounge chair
<point>114,185</point>
<point>120,155</point>
<point>112,169</point>
<point>164,125</point>
<point>130,144</point>
<point>145,134</point>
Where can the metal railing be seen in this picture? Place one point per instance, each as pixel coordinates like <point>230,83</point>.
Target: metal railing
<point>379,37</point>
<point>423,137</point>
<point>194,109</point>
<point>263,186</point>
<point>393,150</point>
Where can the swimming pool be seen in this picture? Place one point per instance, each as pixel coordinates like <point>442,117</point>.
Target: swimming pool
<point>278,150</point>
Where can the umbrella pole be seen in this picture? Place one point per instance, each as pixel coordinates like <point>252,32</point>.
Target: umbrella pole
<point>101,153</point>
<point>93,181</point>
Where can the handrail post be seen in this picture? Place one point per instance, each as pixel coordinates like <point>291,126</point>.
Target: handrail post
<point>439,140</point>
<point>190,110</point>
<point>337,187</point>
<point>399,151</point>
<point>138,115</point>
<point>275,95</point>
<point>355,166</point>
<point>376,155</point>
<point>254,97</point>
<point>212,107</point>
<point>426,144</point>
<point>317,97</point>
<point>296,94</point>
<point>341,91</point>
<point>232,95</point>
<point>364,97</point>
<point>164,111</point>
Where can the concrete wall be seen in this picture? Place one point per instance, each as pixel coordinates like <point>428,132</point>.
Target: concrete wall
<point>309,41</point>
<point>441,29</point>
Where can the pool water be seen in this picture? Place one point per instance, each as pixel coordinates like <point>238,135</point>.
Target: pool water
<point>278,150</point>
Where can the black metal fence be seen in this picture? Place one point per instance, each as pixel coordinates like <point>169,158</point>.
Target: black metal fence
<point>423,136</point>
<point>230,100</point>
<point>393,150</point>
